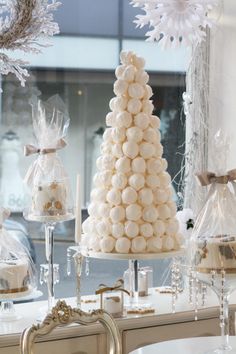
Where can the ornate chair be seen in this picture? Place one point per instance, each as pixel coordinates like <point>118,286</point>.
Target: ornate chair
<point>62,315</point>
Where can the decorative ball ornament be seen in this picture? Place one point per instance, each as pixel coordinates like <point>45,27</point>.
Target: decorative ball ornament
<point>25,24</point>
<point>175,21</point>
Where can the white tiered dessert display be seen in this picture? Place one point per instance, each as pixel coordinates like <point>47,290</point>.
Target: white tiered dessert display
<point>132,212</point>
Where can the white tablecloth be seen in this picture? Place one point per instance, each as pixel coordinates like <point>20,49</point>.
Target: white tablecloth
<point>185,346</point>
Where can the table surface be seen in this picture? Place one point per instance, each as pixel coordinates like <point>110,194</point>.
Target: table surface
<point>200,345</point>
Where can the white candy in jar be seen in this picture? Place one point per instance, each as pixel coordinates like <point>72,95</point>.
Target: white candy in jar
<point>123,164</point>
<point>133,212</point>
<point>145,196</point>
<point>123,119</point>
<point>134,134</point>
<point>164,211</point>
<point>126,57</point>
<point>104,210</point>
<point>138,244</point>
<point>130,149</point>
<point>119,181</point>
<point>108,162</point>
<point>119,71</point>
<point>122,245</point>
<point>117,230</point>
<point>103,228</point>
<point>141,120</point>
<point>120,87</point>
<point>146,230</point>
<point>147,107</point>
<point>114,196</point>
<point>94,243</point>
<point>165,178</point>
<point>168,243</point>
<point>142,77</point>
<point>172,226</point>
<point>150,213</point>
<point>152,181</point>
<point>139,62</point>
<point>137,181</point>
<point>138,165</point>
<point>131,229</point>
<point>107,135</point>
<point>118,104</point>
<point>117,150</point>
<point>111,119</point>
<point>160,196</point>
<point>154,166</point>
<point>117,214</point>
<point>134,106</point>
<point>159,227</point>
<point>129,73</point>
<point>147,92</point>
<point>129,195</point>
<point>107,244</point>
<point>154,244</point>
<point>158,150</point>
<point>105,178</point>
<point>136,90</point>
<point>155,122</point>
<point>118,134</point>
<point>151,135</point>
<point>146,150</point>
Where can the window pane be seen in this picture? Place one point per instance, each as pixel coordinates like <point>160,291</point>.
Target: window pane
<point>129,27</point>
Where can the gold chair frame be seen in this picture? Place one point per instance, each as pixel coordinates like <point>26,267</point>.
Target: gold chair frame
<point>62,315</point>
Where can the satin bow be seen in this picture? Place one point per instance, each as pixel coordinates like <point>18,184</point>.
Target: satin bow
<point>117,286</point>
<point>32,149</point>
<point>207,177</point>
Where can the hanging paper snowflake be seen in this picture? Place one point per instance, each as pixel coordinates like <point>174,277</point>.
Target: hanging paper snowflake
<point>175,21</point>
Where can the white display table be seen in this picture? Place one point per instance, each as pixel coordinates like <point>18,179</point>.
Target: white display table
<point>185,346</point>
<point>136,330</point>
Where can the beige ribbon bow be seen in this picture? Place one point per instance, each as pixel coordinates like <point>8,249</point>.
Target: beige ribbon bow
<point>31,149</point>
<point>117,286</point>
<point>207,178</point>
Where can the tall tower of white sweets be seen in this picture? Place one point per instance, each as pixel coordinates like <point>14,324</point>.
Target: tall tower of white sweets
<point>131,209</point>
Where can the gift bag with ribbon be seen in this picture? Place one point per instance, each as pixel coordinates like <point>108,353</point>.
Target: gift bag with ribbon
<point>112,298</point>
<point>46,178</point>
<point>213,241</point>
<point>17,270</point>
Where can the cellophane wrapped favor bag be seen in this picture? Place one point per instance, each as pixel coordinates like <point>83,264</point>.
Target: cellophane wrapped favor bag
<point>47,179</point>
<point>17,270</point>
<point>213,242</point>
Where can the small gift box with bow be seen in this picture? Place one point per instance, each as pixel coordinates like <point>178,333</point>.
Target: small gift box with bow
<point>47,179</point>
<point>112,298</point>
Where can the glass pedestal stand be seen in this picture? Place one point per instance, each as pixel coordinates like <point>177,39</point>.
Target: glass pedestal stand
<point>49,230</point>
<point>75,252</point>
<point>134,302</point>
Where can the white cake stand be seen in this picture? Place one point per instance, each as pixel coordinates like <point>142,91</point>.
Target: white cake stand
<point>134,303</point>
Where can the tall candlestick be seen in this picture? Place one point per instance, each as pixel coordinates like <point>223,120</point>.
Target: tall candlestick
<point>78,211</point>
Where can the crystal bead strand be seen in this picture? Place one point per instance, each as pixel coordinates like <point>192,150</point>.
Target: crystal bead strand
<point>87,266</point>
<point>222,302</point>
<point>68,262</point>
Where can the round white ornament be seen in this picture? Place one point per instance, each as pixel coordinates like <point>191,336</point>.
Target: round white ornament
<point>123,245</point>
<point>108,162</point>
<point>100,194</point>
<point>147,92</point>
<point>131,229</point>
<point>152,181</point>
<point>141,120</point>
<point>119,71</point>
<point>147,107</point>
<point>154,244</point>
<point>160,196</point>
<point>129,73</point>
<point>137,181</point>
<point>129,195</point>
<point>135,134</point>
<point>146,230</point>
<point>136,90</point>
<point>138,165</point>
<point>103,228</point>
<point>154,166</point>
<point>119,181</point>
<point>134,106</point>
<point>151,135</point>
<point>120,87</point>
<point>123,164</point>
<point>130,149</point>
<point>107,244</point>
<point>123,119</point>
<point>117,230</point>
<point>145,196</point>
<point>164,211</point>
<point>126,57</point>
<point>117,214</point>
<point>104,210</point>
<point>142,77</point>
<point>155,122</point>
<point>96,180</point>
<point>146,150</point>
<point>114,196</point>
<point>105,178</point>
<point>133,212</point>
<point>106,147</point>
<point>158,150</point>
<point>159,227</point>
<point>138,244</point>
<point>164,164</point>
<point>118,134</point>
<point>99,163</point>
<point>139,62</point>
<point>150,213</point>
<point>117,150</point>
<point>165,178</point>
<point>111,119</point>
<point>107,135</point>
<point>120,103</point>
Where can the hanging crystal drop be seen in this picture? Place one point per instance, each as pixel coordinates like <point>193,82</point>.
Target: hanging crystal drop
<point>68,258</point>
<point>87,266</point>
<point>222,306</point>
